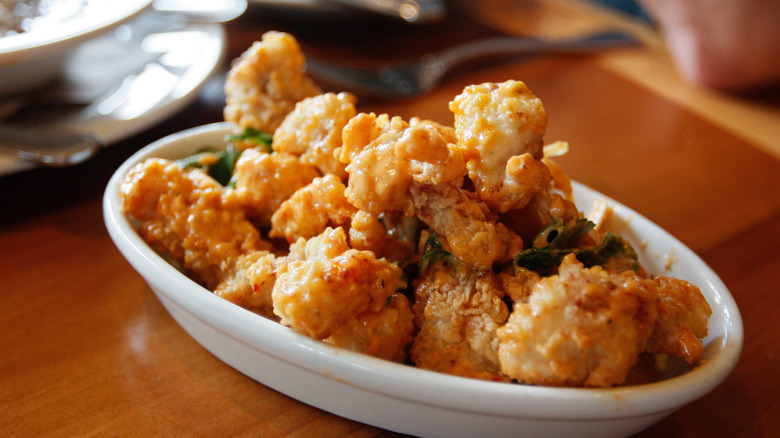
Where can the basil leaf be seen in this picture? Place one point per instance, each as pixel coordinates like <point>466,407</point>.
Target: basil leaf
<point>433,252</point>
<point>612,253</point>
<point>222,170</point>
<point>219,164</point>
<point>254,136</point>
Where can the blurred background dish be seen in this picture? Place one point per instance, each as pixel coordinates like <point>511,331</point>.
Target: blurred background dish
<point>33,49</point>
<point>150,68</point>
<point>203,11</point>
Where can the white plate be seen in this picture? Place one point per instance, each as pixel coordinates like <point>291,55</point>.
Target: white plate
<point>414,401</point>
<point>31,58</point>
<point>158,64</point>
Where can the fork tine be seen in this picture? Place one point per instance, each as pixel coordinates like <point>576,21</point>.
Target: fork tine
<point>382,82</point>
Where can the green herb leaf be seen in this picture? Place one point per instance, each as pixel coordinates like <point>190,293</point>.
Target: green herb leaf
<point>224,162</point>
<point>255,136</point>
<point>433,252</point>
<point>196,160</point>
<point>560,235</point>
<point>222,170</point>
<point>612,253</point>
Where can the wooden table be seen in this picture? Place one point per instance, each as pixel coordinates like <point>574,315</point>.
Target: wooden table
<point>87,350</point>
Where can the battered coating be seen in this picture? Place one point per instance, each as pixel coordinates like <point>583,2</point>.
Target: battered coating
<point>266,82</point>
<point>251,284</point>
<point>682,320</point>
<point>183,214</point>
<point>458,310</point>
<point>587,327</point>
<point>186,216</point>
<point>312,131</point>
<point>263,181</point>
<point>311,209</point>
<point>500,128</point>
<point>325,284</point>
<point>390,235</point>
<point>467,228</point>
<point>385,333</point>
<point>386,155</point>
<point>414,169</point>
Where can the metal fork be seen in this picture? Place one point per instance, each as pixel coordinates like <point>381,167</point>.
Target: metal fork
<point>409,79</point>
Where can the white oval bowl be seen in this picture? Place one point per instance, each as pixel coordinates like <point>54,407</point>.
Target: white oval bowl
<point>415,401</point>
<point>30,59</point>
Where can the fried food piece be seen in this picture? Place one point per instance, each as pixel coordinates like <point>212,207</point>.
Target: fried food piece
<point>516,283</point>
<point>390,235</point>
<point>458,310</point>
<point>378,180</point>
<point>325,285</point>
<point>312,131</point>
<point>544,209</point>
<point>465,224</point>
<point>385,334</point>
<point>500,129</point>
<point>311,209</point>
<point>587,327</point>
<point>184,215</point>
<point>395,166</point>
<point>264,180</point>
<point>583,327</point>
<point>683,314</point>
<point>266,82</point>
<point>430,152</point>
<point>446,132</point>
<point>367,233</point>
<point>384,156</point>
<point>252,282</point>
